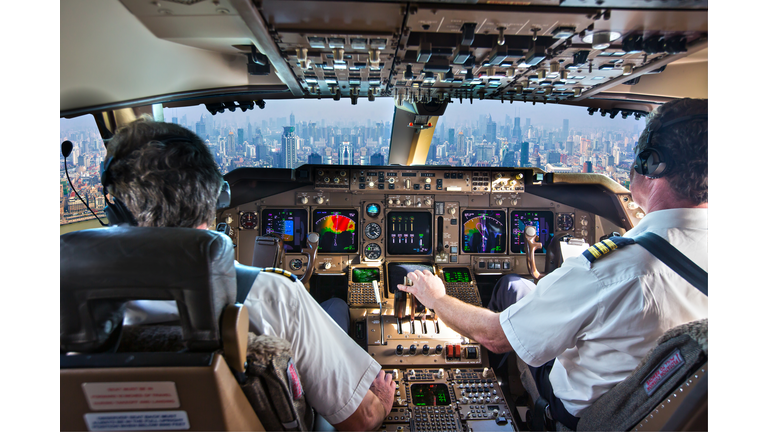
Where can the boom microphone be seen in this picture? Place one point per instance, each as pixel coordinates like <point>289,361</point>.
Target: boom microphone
<point>66,150</point>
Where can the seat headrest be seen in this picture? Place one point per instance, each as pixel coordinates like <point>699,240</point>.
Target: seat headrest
<point>103,268</point>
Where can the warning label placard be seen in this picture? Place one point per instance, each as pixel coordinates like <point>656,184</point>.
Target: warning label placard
<point>137,421</point>
<point>131,395</point>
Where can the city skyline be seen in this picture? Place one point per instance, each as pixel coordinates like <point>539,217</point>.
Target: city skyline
<point>553,138</point>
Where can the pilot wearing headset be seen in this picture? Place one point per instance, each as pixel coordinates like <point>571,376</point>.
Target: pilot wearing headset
<point>586,326</point>
<point>163,175</point>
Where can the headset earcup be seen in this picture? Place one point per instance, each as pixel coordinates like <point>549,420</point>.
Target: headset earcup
<point>652,163</point>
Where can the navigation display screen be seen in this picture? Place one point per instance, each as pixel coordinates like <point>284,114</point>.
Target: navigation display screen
<point>542,220</point>
<point>457,275</point>
<point>484,231</point>
<point>337,229</point>
<point>409,233</point>
<point>365,274</point>
<point>430,394</point>
<point>291,224</point>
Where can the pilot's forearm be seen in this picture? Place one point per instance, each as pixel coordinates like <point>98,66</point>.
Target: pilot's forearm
<point>368,416</point>
<point>479,324</point>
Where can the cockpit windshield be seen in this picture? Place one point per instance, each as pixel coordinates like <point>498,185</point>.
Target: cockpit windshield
<point>290,133</point>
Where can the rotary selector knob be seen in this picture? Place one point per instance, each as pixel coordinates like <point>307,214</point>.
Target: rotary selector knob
<point>452,210</point>
<point>408,202</point>
<point>390,201</point>
<point>303,200</point>
<point>327,265</point>
<point>499,201</point>
<point>428,202</point>
<point>398,351</point>
<point>427,180</point>
<point>327,179</point>
<point>391,180</point>
<point>412,350</point>
<point>408,184</point>
<point>397,201</point>
<point>519,176</point>
<point>319,200</point>
<point>438,350</point>
<point>425,349</point>
<point>336,180</point>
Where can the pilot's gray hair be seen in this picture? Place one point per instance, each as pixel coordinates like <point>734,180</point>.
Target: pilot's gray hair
<point>686,143</point>
<point>164,174</point>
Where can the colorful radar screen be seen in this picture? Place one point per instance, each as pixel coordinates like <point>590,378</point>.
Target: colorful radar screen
<point>542,220</point>
<point>289,224</point>
<point>430,394</point>
<point>337,229</point>
<point>484,231</point>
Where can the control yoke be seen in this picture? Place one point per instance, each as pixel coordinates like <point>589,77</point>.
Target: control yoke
<point>313,239</point>
<point>531,244</point>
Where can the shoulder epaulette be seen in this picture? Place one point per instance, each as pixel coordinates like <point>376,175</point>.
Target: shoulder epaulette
<point>279,271</point>
<point>602,248</point>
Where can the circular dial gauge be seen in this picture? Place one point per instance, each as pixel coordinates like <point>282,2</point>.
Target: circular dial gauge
<point>372,251</point>
<point>373,230</point>
<point>296,264</point>
<point>564,222</point>
<point>373,210</point>
<point>249,220</point>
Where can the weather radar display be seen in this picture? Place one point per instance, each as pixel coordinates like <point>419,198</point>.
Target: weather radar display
<point>337,229</point>
<point>484,231</point>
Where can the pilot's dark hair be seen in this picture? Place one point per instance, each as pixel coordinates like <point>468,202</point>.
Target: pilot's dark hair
<point>164,174</point>
<point>685,143</point>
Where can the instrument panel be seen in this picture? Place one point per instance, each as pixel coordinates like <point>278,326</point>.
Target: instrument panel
<point>375,224</point>
<point>474,217</point>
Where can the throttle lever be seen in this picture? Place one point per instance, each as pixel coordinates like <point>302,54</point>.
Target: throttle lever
<point>531,244</point>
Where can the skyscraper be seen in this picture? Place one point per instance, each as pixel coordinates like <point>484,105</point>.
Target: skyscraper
<point>524,154</point>
<point>587,168</point>
<point>345,153</point>
<point>491,132</point>
<point>461,149</point>
<point>377,159</point>
<point>517,133</point>
<point>288,153</point>
<point>565,132</point>
<point>314,158</point>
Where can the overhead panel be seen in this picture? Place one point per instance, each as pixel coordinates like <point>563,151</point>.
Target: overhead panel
<point>337,48</point>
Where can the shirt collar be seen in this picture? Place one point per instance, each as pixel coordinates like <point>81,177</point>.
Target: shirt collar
<point>661,220</point>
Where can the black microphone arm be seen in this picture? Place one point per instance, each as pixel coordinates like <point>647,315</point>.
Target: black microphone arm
<point>66,150</point>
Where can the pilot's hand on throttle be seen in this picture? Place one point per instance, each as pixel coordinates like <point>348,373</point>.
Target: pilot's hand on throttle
<point>384,388</point>
<point>426,287</point>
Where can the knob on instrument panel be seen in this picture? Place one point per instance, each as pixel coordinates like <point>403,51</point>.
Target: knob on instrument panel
<point>412,350</point>
<point>425,349</point>
<point>319,200</point>
<point>399,350</point>
<point>327,266</point>
<point>303,200</point>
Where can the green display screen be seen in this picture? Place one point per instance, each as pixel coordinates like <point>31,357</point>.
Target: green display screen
<point>457,275</point>
<point>365,275</point>
<point>430,394</point>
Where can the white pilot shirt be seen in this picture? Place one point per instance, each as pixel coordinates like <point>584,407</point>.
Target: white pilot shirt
<point>599,320</point>
<point>335,372</point>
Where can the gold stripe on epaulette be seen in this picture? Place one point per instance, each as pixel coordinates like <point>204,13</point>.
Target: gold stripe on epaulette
<point>595,252</point>
<point>610,244</point>
<point>603,248</point>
